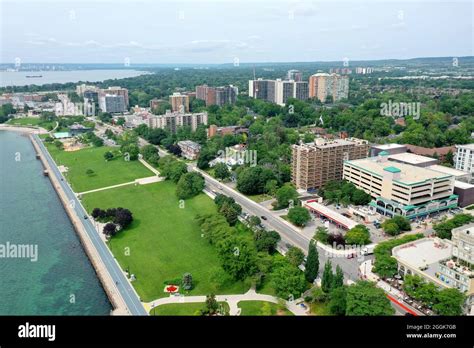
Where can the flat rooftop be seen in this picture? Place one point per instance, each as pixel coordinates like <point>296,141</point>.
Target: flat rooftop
<point>411,158</point>
<point>409,174</point>
<point>446,170</point>
<point>388,146</point>
<point>331,214</point>
<point>423,252</point>
<point>462,185</point>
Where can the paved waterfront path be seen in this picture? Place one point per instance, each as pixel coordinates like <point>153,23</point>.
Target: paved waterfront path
<point>114,277</point>
<point>232,300</point>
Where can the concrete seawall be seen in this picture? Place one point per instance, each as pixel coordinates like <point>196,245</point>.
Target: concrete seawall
<point>118,303</point>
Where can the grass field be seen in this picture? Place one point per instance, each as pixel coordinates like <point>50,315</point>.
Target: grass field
<point>116,171</point>
<point>320,308</point>
<point>183,308</point>
<point>252,308</point>
<point>164,240</point>
<point>31,121</point>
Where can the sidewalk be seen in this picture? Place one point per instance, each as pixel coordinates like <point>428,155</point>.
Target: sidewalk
<point>232,300</point>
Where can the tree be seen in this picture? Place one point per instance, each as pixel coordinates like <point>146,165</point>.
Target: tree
<point>285,196</point>
<point>402,222</point>
<point>230,212</point>
<point>221,171</point>
<point>108,156</point>
<point>130,152</point>
<point>327,278</point>
<point>266,240</point>
<point>358,235</point>
<point>295,256</point>
<point>321,235</point>
<point>449,302</point>
<point>96,213</point>
<point>176,170</point>
<point>271,187</point>
<point>110,229</point>
<point>252,180</point>
<point>391,228</point>
<point>150,154</point>
<point>364,298</point>
<point>190,185</point>
<point>187,281</point>
<point>337,301</point>
<point>238,257</point>
<point>359,197</point>
<point>312,263</point>
<point>338,279</point>
<point>336,239</point>
<point>288,280</point>
<point>123,217</point>
<point>211,304</point>
<point>299,216</point>
<point>254,221</point>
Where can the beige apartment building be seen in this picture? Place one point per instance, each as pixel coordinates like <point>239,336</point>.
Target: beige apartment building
<point>401,189</point>
<point>314,164</point>
<point>173,120</point>
<point>322,85</point>
<point>179,102</point>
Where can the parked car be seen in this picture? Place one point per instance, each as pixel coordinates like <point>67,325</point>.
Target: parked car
<point>263,217</point>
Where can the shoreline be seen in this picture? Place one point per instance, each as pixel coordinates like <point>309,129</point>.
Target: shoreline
<point>23,129</point>
<point>116,300</point>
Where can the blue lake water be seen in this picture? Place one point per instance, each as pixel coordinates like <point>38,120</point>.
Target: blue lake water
<point>62,281</point>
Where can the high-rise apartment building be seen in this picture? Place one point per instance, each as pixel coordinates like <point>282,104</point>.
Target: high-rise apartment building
<point>278,91</point>
<point>217,95</point>
<point>112,103</point>
<point>464,158</point>
<point>116,91</point>
<point>173,120</point>
<point>322,86</point>
<point>179,102</point>
<point>294,75</point>
<point>316,163</point>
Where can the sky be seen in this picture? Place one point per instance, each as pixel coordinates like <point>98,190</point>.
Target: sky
<point>228,31</point>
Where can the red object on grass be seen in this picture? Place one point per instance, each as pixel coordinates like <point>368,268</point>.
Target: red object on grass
<point>171,288</point>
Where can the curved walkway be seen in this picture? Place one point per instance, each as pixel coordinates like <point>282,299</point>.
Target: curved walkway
<point>232,300</point>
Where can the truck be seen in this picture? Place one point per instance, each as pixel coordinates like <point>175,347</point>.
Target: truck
<point>368,249</point>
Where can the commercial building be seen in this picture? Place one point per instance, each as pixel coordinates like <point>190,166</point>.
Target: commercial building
<point>65,107</point>
<point>322,86</point>
<point>217,95</point>
<point>314,164</point>
<point>447,263</point>
<point>413,159</point>
<point>401,189</point>
<point>189,149</point>
<point>437,152</point>
<point>173,120</point>
<point>179,102</point>
<point>321,211</point>
<point>155,103</point>
<point>464,158</point>
<point>278,91</point>
<point>233,130</point>
<point>81,89</point>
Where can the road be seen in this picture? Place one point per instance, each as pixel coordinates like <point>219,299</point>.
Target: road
<point>123,286</point>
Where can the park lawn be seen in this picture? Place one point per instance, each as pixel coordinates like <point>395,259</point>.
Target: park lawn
<point>31,121</point>
<point>259,198</point>
<point>183,308</point>
<point>164,239</point>
<point>320,308</point>
<point>116,171</point>
<point>252,308</point>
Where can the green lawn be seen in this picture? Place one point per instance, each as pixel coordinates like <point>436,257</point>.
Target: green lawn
<point>116,171</point>
<point>164,240</point>
<point>251,308</point>
<point>320,308</point>
<point>31,121</point>
<point>259,197</point>
<point>183,308</point>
